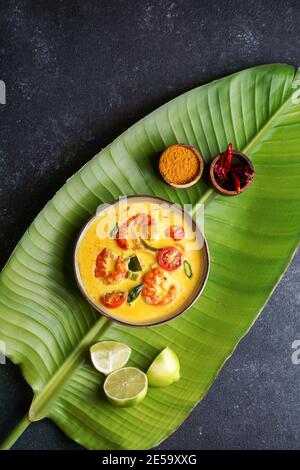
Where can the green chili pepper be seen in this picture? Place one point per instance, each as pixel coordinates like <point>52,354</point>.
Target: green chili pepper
<point>188,269</point>
<point>134,293</point>
<point>132,276</point>
<point>149,247</point>
<point>134,264</point>
<point>113,231</point>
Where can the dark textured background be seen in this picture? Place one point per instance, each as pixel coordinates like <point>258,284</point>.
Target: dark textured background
<point>78,73</point>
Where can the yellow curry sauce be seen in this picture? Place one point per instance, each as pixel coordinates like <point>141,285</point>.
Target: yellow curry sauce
<point>98,236</point>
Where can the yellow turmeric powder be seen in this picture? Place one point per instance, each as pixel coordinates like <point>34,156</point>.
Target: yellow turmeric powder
<point>179,164</point>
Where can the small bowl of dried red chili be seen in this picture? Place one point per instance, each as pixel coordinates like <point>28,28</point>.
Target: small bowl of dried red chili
<point>231,172</point>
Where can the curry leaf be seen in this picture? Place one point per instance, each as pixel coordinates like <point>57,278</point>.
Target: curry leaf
<point>134,293</point>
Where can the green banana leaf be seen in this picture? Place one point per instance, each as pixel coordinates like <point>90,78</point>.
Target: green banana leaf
<point>48,326</point>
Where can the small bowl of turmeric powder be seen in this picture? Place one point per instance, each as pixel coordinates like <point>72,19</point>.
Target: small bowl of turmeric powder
<point>181,165</point>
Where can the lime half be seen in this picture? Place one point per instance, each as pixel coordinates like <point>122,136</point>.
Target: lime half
<point>126,387</point>
<point>108,356</point>
<point>164,370</point>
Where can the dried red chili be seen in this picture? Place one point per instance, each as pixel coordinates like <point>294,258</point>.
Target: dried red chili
<point>223,164</point>
<point>233,174</point>
<point>237,182</point>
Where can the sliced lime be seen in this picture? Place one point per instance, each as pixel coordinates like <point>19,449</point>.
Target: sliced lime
<point>164,370</point>
<point>126,387</point>
<point>108,356</point>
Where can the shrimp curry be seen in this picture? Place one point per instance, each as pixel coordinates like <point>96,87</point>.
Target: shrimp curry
<point>141,261</point>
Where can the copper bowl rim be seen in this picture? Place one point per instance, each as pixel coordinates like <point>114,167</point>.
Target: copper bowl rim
<point>111,316</point>
<point>220,188</point>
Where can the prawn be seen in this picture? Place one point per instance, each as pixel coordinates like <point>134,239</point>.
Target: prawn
<point>102,270</point>
<point>144,220</point>
<point>152,279</point>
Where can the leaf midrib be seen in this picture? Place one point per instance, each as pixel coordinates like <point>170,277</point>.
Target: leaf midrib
<point>42,401</point>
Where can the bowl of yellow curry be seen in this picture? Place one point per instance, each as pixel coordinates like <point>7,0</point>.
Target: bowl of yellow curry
<point>141,260</point>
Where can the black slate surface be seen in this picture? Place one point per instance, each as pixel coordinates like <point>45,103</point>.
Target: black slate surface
<point>77,75</point>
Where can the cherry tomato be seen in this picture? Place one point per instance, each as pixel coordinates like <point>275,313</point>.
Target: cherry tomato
<point>113,299</point>
<point>176,232</point>
<point>169,258</point>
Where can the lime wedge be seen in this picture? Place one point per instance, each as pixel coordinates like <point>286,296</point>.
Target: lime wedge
<point>126,387</point>
<point>108,356</point>
<point>164,370</point>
